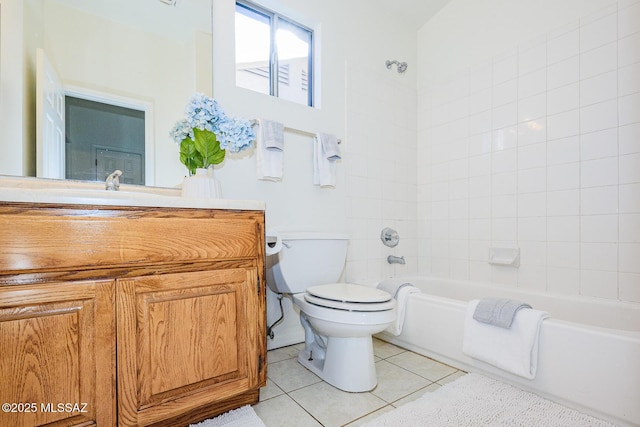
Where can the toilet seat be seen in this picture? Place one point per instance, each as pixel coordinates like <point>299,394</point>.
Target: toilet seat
<point>349,297</point>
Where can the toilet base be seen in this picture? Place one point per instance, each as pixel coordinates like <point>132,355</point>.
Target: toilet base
<point>348,363</point>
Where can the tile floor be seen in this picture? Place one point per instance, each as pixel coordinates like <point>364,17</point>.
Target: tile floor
<point>296,397</point>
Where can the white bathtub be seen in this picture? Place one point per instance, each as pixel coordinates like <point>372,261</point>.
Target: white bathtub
<point>589,355</point>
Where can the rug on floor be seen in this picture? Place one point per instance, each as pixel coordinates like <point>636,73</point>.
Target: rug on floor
<point>475,400</point>
<point>241,417</point>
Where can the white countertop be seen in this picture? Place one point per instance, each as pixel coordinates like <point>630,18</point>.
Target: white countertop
<point>38,190</point>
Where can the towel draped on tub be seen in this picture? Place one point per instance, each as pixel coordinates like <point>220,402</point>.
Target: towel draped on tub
<point>400,292</point>
<point>513,349</point>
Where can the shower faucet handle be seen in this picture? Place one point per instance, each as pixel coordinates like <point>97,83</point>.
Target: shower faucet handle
<point>389,237</point>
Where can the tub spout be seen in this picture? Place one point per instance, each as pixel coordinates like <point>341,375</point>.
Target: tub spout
<point>395,259</point>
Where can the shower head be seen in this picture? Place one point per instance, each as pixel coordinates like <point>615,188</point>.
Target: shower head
<point>402,66</point>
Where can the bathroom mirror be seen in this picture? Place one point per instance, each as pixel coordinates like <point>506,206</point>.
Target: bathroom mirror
<point>141,58</point>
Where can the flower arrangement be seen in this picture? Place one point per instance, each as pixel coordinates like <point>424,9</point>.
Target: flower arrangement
<point>206,133</point>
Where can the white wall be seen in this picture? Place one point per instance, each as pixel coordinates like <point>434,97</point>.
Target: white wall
<point>353,41</point>
<point>529,136</point>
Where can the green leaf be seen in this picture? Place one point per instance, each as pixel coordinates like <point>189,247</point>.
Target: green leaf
<point>208,146</point>
<point>189,156</point>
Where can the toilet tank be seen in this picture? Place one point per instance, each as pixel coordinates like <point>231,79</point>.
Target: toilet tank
<point>306,259</point>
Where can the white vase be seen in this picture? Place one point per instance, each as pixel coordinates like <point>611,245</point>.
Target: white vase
<point>202,185</point>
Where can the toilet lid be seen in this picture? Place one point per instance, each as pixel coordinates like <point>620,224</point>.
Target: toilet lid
<point>350,306</point>
<point>347,292</point>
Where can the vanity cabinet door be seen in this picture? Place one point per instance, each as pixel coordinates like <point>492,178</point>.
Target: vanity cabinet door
<point>186,342</point>
<point>57,357</point>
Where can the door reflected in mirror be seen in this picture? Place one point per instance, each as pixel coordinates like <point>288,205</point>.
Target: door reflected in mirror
<point>140,59</point>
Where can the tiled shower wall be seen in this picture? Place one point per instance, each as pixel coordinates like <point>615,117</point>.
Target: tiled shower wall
<point>538,148</point>
<point>380,170</point>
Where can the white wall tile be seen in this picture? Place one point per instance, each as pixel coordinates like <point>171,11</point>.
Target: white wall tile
<point>532,204</point>
<point>599,144</point>
<point>598,32</point>
<point>603,115</point>
<point>532,228</point>
<point>532,180</point>
<point>563,73</point>
<point>600,284</point>
<point>532,107</point>
<point>629,168</point>
<point>599,60</point>
<point>504,229</point>
<point>505,67</point>
<point>599,228</point>
<point>599,200</point>
<point>504,139</point>
<point>504,206</point>
<point>504,161</point>
<point>629,107</point>
<point>505,93</point>
<point>532,156</point>
<point>629,198</point>
<point>564,150</point>
<point>480,101</point>
<point>480,165</point>
<point>629,50</point>
<point>480,77</point>
<point>532,131</point>
<point>629,287</point>
<point>628,20</point>
<point>563,254</point>
<point>533,83</point>
<point>563,280</point>
<point>599,256</point>
<point>602,87</point>
<point>563,125</point>
<point>532,55</point>
<point>563,99</point>
<point>600,172</point>
<point>629,256</point>
<point>628,81</point>
<point>563,46</point>
<point>504,116</point>
<point>566,202</point>
<point>629,228</point>
<point>563,228</point>
<point>563,177</point>
<point>629,138</point>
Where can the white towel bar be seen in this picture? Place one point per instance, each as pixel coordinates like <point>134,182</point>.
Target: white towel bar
<point>254,122</point>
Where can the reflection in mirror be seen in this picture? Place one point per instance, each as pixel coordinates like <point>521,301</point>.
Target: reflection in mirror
<point>145,55</point>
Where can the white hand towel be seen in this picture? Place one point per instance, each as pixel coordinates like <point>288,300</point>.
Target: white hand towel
<point>270,150</point>
<point>325,154</point>
<point>514,350</point>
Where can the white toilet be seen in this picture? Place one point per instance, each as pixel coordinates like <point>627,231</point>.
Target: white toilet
<point>338,318</point>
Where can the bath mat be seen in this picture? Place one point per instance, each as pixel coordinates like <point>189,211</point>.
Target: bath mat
<point>241,417</point>
<point>474,400</point>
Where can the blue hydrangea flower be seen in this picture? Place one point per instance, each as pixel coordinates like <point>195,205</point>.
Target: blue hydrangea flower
<point>204,113</point>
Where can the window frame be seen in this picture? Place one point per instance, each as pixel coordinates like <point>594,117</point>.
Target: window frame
<point>274,70</point>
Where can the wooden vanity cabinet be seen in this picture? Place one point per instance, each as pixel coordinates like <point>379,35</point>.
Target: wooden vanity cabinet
<point>149,316</point>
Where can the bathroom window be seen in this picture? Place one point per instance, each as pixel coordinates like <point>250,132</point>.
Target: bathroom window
<point>274,55</point>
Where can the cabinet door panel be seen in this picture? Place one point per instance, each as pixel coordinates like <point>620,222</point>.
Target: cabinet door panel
<point>57,353</point>
<point>185,335</point>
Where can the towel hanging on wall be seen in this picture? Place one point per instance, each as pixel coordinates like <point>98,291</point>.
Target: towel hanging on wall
<point>270,150</point>
<point>325,155</point>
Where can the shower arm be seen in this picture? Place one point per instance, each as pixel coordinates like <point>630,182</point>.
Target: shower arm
<point>402,66</point>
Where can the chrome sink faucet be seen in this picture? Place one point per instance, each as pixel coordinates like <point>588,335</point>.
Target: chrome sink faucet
<point>113,181</point>
<point>395,259</point>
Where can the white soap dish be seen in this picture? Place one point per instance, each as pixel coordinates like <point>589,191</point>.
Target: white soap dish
<point>505,256</point>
